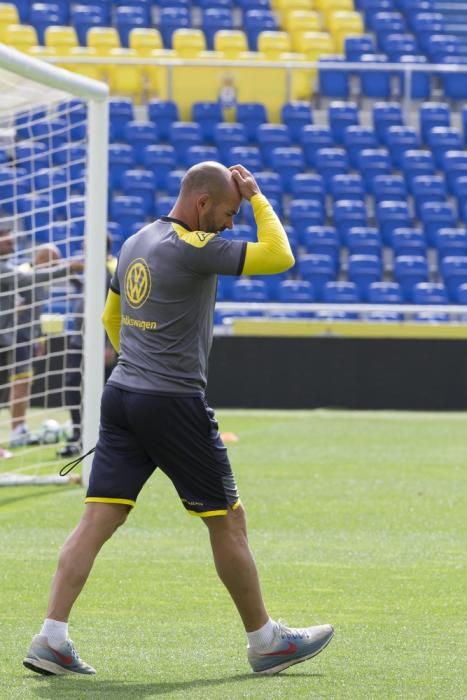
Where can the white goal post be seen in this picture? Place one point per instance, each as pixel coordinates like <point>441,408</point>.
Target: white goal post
<point>38,106</point>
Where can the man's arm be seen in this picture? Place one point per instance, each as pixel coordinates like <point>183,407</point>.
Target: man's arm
<point>112,319</point>
<point>272,253</point>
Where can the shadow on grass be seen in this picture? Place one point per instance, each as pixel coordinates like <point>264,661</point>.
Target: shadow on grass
<point>92,688</point>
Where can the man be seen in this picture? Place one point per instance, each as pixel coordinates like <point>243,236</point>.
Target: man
<point>158,315</point>
<point>28,341</point>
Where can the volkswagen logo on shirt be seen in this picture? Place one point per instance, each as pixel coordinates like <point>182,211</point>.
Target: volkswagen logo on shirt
<point>137,283</point>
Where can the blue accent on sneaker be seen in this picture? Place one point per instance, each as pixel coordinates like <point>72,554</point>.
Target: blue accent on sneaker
<point>290,646</point>
<point>42,658</point>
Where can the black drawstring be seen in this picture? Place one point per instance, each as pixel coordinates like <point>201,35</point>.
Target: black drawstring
<point>71,465</point>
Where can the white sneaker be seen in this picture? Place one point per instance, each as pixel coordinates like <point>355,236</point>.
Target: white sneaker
<point>19,437</point>
<point>291,645</point>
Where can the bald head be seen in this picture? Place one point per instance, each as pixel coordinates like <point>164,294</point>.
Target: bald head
<point>46,254</point>
<point>208,177</point>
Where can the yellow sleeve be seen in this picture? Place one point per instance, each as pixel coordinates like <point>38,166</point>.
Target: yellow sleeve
<point>111,318</point>
<point>272,253</point>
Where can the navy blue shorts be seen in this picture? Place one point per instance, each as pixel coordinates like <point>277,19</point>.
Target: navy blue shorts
<point>178,434</point>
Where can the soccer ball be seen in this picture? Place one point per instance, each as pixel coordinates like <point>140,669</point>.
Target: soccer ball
<point>50,432</point>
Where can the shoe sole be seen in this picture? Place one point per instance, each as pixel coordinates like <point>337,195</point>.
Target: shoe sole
<point>48,668</point>
<point>293,662</point>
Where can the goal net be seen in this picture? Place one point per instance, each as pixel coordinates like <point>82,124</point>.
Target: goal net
<point>53,239</point>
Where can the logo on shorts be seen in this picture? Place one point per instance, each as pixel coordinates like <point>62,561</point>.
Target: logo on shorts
<point>137,283</point>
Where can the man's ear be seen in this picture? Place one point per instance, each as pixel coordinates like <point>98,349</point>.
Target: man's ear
<point>203,200</point>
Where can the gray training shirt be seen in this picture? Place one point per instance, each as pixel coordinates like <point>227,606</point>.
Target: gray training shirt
<point>167,279</point>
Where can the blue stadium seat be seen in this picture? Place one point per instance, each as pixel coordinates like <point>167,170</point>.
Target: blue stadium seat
<point>410,270</point>
<point>53,182</point>
<point>363,270</point>
<point>375,84</point>
<point>198,154</point>
<point>400,139</point>
<point>432,317</point>
<point>341,115</point>
<point>332,81</point>
<point>295,115</point>
<point>256,21</point>
<point>410,8</point>
<point>248,290</point>
<point>425,24</point>
<point>317,269</point>
<point>227,136</point>
<point>384,293</point>
<point>420,81</point>
<point>323,240</point>
<point>161,160</point>
<point>42,15</point>
<point>434,216</point>
<point>215,19</point>
<point>248,156</point>
<point>67,238</point>
<point>84,17</point>
<point>173,181</point>
<point>163,206</point>
<point>364,240</point>
<point>386,114</point>
<point>385,316</point>
<point>288,161</point>
<point>355,139</point>
<point>371,8</point>
<point>226,4</point>
<point>308,185</point>
<point>24,120</point>
<point>392,215</point>
<point>340,293</point>
<point>253,4</point>
<point>347,213</point>
<point>442,139</point>
<point>440,47</point>
<point>373,162</point>
<point>14,183</point>
<point>170,19</point>
<point>141,183</point>
<point>331,315</point>
<point>428,188</point>
<point>430,293</point>
<point>121,158</point>
<point>183,135</point>
<point>330,162</point>
<point>251,115</point>
<point>296,291</point>
<point>397,45</point>
<point>270,136</point>
<point>313,138</point>
<point>462,294</point>
<point>355,46</point>
<point>453,270</point>
<point>128,17</point>
<point>53,133</point>
<point>76,212</point>
<point>242,232</point>
<point>163,113</point>
<point>207,114</point>
<point>433,114</point>
<point>121,112</point>
<point>454,84</point>
<point>75,112</point>
<point>114,231</point>
<point>304,213</point>
<point>23,7</point>
<point>450,242</point>
<point>454,166</point>
<point>409,241</point>
<point>139,135</point>
<point>390,188</point>
<point>269,183</point>
<point>347,187</point>
<point>416,162</point>
<point>127,210</point>
<point>459,188</point>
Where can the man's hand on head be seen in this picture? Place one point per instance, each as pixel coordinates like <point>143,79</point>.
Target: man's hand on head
<point>245,181</point>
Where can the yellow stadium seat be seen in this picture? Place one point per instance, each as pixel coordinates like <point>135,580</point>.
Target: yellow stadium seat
<point>157,76</point>
<point>251,56</point>
<point>144,40</point>
<point>299,21</point>
<point>126,80</point>
<point>331,6</point>
<point>62,38</point>
<point>213,55</point>
<point>231,42</point>
<point>42,52</point>
<point>103,39</point>
<point>8,15</point>
<point>302,79</point>
<point>271,44</point>
<point>187,43</point>
<point>283,7</point>
<point>316,44</point>
<point>89,70</point>
<point>20,36</point>
<point>343,23</point>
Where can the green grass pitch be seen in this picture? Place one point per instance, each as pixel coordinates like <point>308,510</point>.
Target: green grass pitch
<point>358,519</point>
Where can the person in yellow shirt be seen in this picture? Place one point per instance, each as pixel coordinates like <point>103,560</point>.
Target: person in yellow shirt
<point>159,318</point>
